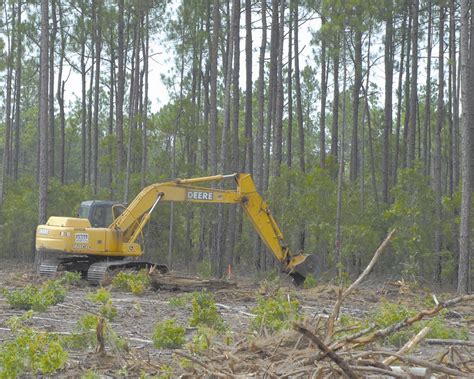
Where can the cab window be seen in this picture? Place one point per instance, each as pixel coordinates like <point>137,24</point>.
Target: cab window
<point>84,211</point>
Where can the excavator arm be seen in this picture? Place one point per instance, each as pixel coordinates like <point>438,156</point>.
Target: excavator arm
<point>132,221</point>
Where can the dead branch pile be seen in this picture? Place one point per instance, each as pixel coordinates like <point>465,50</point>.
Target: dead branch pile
<point>313,350</point>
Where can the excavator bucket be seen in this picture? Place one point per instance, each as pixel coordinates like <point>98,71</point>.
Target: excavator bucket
<point>301,270</point>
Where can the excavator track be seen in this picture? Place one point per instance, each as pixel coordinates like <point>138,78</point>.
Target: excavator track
<point>49,267</point>
<point>98,271</point>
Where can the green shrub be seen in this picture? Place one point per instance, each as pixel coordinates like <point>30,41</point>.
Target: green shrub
<point>389,313</point>
<point>31,351</point>
<point>310,281</point>
<point>134,282</point>
<point>168,335</point>
<point>84,336</point>
<point>205,313</point>
<point>70,277</point>
<point>38,299</point>
<point>180,301</point>
<point>275,312</point>
<point>202,339</point>
<point>102,296</point>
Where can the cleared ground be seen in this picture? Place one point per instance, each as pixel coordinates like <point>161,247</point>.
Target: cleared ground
<point>265,355</point>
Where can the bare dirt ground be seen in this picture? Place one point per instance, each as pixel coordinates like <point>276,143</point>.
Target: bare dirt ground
<point>266,356</point>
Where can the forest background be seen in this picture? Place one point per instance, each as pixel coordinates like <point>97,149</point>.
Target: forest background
<point>370,132</point>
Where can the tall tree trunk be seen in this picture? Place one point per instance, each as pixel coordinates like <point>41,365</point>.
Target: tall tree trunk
<point>97,35</point>
<point>427,126</point>
<point>43,120</point>
<point>335,102</point>
<point>455,90</point>
<point>110,178</point>
<point>299,112</point>
<point>145,111</point>
<point>289,135</point>
<point>231,225</point>
<point>89,119</point>
<point>52,126</point>
<point>437,155</point>
<point>259,150</point>
<point>399,103</point>
<point>324,89</point>
<point>467,138</point>
<point>18,66</point>
<point>414,87</point>
<point>387,129</point>
<point>248,156</point>
<point>83,114</point>
<point>299,106</point>
<point>272,90</point>
<point>213,51</point>
<point>340,176</point>
<point>355,155</point>
<point>6,170</point>
<point>279,98</point>
<point>60,98</point>
<point>120,87</point>
<point>133,108</point>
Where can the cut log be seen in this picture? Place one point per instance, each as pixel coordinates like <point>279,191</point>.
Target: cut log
<point>170,282</point>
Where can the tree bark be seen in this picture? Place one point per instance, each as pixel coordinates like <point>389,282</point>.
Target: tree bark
<point>387,130</point>
<point>52,126</point>
<point>18,67</point>
<point>437,152</point>
<point>414,87</point>
<point>248,156</point>
<point>43,120</point>
<point>427,125</point>
<point>97,35</point>
<point>324,89</point>
<point>355,155</point>
<point>299,106</point>
<point>120,87</point>
<point>467,138</point>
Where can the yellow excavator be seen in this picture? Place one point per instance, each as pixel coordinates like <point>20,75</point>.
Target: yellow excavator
<point>107,236</point>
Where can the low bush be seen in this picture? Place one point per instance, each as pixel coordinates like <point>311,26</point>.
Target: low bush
<point>168,335</point>
<point>205,313</point>
<point>39,299</point>
<point>389,313</point>
<point>275,313</point>
<point>30,351</point>
<point>135,282</point>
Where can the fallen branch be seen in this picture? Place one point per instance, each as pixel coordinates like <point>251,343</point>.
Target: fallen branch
<point>331,354</point>
<point>419,362</point>
<point>409,345</point>
<point>433,341</point>
<point>380,371</point>
<point>342,295</point>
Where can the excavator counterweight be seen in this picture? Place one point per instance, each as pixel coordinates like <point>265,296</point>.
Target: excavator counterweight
<point>106,236</point>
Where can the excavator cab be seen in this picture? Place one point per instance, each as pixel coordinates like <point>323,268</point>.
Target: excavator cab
<point>100,213</point>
